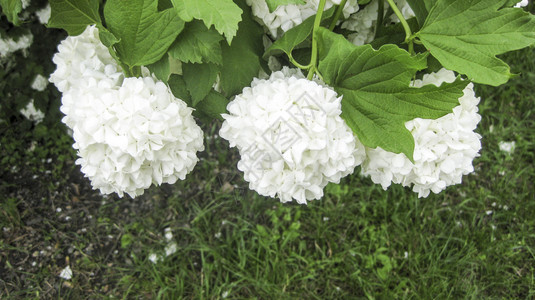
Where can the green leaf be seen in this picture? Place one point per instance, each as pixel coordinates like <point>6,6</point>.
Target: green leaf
<point>12,8</point>
<point>197,44</point>
<point>161,68</point>
<point>377,96</point>
<point>510,3</point>
<point>421,9</point>
<point>213,105</point>
<point>145,34</point>
<point>179,89</point>
<point>295,36</point>
<point>242,59</point>
<point>223,14</point>
<point>199,79</point>
<point>107,38</point>
<point>466,35</point>
<point>273,4</point>
<point>73,15</point>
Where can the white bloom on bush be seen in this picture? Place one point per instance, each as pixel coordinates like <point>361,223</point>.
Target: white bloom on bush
<point>288,16</point>
<point>508,147</point>
<point>9,45</point>
<point>291,138</point>
<point>364,21</point>
<point>129,132</point>
<point>522,3</point>
<point>84,58</point>
<point>33,114</point>
<point>39,83</point>
<point>131,137</point>
<point>25,3</point>
<point>444,148</point>
<point>44,14</point>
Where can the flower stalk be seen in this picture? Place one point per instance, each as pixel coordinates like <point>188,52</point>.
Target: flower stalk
<point>314,56</point>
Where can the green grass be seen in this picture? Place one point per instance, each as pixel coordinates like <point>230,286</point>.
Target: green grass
<point>474,241</point>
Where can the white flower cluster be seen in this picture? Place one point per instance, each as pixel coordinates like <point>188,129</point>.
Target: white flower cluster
<point>9,45</point>
<point>444,150</point>
<point>288,16</point>
<point>129,132</point>
<point>291,138</point>
<point>364,21</point>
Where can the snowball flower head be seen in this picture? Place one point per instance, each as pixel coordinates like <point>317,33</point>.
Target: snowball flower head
<point>291,138</point>
<point>444,148</point>
<point>288,16</point>
<point>131,137</point>
<point>129,132</point>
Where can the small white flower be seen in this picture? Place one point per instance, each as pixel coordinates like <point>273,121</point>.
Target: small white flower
<point>286,17</point>
<point>33,114</point>
<point>217,235</point>
<point>66,273</point>
<point>39,83</point>
<point>224,294</point>
<point>154,258</point>
<point>406,255</point>
<point>58,210</point>
<point>291,138</point>
<point>507,147</point>
<point>44,14</point>
<point>168,234</point>
<point>444,148</point>
<point>489,212</point>
<point>171,248</point>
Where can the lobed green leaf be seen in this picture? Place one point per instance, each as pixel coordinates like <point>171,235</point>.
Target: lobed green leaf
<point>377,96</point>
<point>242,60</point>
<point>144,33</point>
<point>197,44</point>
<point>199,79</point>
<point>223,14</point>
<point>466,35</point>
<point>74,15</point>
<point>12,8</point>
